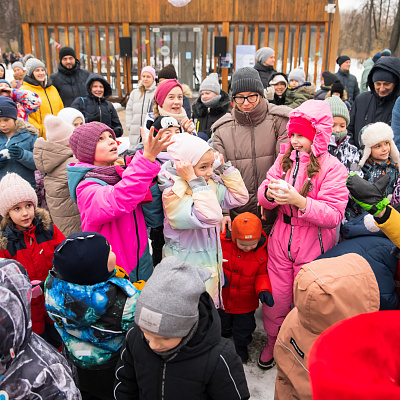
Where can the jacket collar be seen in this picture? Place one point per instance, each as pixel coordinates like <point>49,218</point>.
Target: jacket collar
<point>254,117</point>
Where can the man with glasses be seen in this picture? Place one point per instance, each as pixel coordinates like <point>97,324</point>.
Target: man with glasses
<point>250,138</point>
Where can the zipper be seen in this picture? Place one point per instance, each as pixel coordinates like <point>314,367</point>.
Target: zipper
<point>162,386</point>
<point>141,114</point>
<point>51,108</point>
<point>220,271</point>
<point>138,247</point>
<point>295,172</point>
<point>100,110</point>
<point>320,241</point>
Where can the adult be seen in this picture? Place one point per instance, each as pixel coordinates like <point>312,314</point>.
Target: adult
<point>95,106</point>
<point>368,64</point>
<point>376,105</point>
<point>348,80</point>
<point>70,79</point>
<point>249,137</point>
<point>328,79</point>
<point>276,90</point>
<point>265,64</point>
<point>212,104</point>
<point>37,81</point>
<point>140,103</point>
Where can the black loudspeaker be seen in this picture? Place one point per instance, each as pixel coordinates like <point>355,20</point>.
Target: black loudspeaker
<point>125,46</point>
<point>220,45</point>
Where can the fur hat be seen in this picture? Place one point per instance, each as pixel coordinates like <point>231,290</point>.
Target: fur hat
<point>69,115</point>
<point>57,131</point>
<point>263,54</point>
<point>298,75</point>
<point>14,190</point>
<point>211,83</point>
<point>374,134</point>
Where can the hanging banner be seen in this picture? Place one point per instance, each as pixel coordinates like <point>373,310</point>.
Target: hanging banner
<point>104,58</point>
<point>147,41</point>
<point>93,58</point>
<point>117,56</point>
<point>110,57</point>
<point>136,51</point>
<point>98,58</point>
<point>51,40</point>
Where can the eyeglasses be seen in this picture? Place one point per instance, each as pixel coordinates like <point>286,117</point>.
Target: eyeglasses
<point>251,99</point>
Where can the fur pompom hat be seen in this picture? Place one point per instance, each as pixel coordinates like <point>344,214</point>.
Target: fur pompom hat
<point>374,134</point>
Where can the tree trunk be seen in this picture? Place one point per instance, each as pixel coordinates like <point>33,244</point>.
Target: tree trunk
<point>395,36</point>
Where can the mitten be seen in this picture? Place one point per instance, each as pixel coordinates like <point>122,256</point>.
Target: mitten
<point>266,298</point>
<point>370,196</point>
<point>3,159</point>
<point>15,151</point>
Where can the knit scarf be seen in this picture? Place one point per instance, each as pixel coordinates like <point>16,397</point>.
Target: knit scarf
<point>339,135</point>
<point>179,117</point>
<point>111,175</point>
<point>213,102</point>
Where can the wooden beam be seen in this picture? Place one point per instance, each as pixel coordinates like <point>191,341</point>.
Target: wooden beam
<point>276,44</point>
<point>128,61</point>
<point>108,53</point>
<point>224,71</point>
<point>215,58</point>
<point>307,50</point>
<point>256,36</point>
<point>204,56</point>
<point>37,47</point>
<point>47,47</point>
<point>325,55</point>
<point>266,38</point>
<point>77,44</point>
<point>296,46</point>
<point>116,61</point>
<point>286,48</point>
<point>316,58</point>
<point>26,31</point>
<point>66,35</point>
<point>148,44</point>
<point>139,46</point>
<point>96,28</point>
<point>235,44</point>
<point>88,52</point>
<point>246,34</point>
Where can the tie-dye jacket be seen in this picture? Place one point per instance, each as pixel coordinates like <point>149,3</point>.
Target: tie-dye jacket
<point>192,215</point>
<point>27,102</point>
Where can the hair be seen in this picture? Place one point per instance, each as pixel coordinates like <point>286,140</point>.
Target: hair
<point>142,91</point>
<point>313,168</point>
<point>156,111</point>
<point>6,221</point>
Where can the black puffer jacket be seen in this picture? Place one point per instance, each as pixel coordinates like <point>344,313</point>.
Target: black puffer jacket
<point>98,109</point>
<point>321,93</point>
<point>265,72</point>
<point>206,368</point>
<point>350,84</point>
<point>369,107</point>
<point>204,117</point>
<point>70,83</point>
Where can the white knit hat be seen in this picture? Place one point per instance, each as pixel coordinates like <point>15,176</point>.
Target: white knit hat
<point>69,115</point>
<point>32,64</point>
<point>57,131</point>
<point>374,134</point>
<point>14,190</point>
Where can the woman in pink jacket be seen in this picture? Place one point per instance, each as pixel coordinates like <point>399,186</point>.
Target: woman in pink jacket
<point>109,196</point>
<point>309,187</point>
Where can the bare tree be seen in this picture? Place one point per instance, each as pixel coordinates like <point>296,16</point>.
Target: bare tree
<point>395,36</point>
<point>10,22</point>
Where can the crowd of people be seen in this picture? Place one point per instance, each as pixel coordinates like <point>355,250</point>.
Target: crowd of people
<point>136,272</point>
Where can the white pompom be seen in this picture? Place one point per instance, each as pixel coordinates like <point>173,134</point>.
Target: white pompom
<point>179,3</point>
<point>369,223</point>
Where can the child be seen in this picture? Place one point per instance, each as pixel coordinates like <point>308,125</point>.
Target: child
<point>28,236</point>
<point>245,255</point>
<point>71,116</point>
<point>193,196</point>
<point>338,90</point>
<point>91,308</point>
<point>311,204</point>
<point>380,155</point>
<point>109,195</point>
<point>30,368</point>
<point>51,157</point>
<point>16,143</point>
<point>175,349</point>
<point>299,90</point>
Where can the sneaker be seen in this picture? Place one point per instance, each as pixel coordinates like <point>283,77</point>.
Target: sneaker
<point>242,352</point>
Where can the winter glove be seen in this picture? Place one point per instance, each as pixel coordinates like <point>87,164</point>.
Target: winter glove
<point>226,281</point>
<point>370,196</point>
<point>266,298</point>
<point>3,160</point>
<point>15,151</point>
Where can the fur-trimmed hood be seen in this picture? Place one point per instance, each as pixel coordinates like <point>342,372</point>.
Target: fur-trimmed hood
<point>21,124</point>
<point>200,110</point>
<point>308,88</point>
<point>186,91</point>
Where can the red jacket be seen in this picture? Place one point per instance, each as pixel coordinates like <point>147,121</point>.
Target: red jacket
<point>34,249</point>
<point>247,275</point>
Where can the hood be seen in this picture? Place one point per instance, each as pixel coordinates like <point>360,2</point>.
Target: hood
<point>34,82</point>
<point>329,290</point>
<point>15,310</point>
<point>22,125</point>
<point>307,87</point>
<point>320,116</point>
<point>67,71</point>
<point>97,77</point>
<point>391,64</point>
<point>48,155</point>
<point>75,173</point>
<point>200,110</point>
<point>275,73</point>
<point>4,69</point>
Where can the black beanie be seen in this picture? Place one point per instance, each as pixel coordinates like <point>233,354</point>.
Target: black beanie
<point>380,74</point>
<point>67,51</point>
<point>82,258</point>
<point>168,72</point>
<point>341,59</point>
<point>329,78</point>
<point>246,80</point>
<point>337,87</point>
<point>164,123</point>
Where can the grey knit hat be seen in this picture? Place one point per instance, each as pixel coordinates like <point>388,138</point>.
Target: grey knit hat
<point>263,54</point>
<point>168,304</point>
<point>338,108</point>
<point>32,64</point>
<point>211,83</point>
<point>17,64</point>
<point>247,80</point>
<point>298,75</point>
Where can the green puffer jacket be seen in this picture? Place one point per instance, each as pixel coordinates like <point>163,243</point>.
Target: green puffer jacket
<point>297,96</point>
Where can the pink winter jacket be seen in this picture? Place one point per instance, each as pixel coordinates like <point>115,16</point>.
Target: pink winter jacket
<point>115,211</point>
<point>328,197</point>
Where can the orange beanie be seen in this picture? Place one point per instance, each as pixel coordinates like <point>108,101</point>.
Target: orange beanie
<point>246,226</point>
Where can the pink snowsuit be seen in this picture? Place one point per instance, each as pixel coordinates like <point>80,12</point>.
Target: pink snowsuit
<point>297,238</point>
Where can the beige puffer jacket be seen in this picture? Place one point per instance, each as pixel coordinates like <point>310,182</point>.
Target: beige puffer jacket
<point>52,159</point>
<point>249,141</point>
<point>325,292</point>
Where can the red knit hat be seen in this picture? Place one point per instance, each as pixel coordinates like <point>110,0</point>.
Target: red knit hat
<point>246,227</point>
<point>301,126</point>
<point>163,89</point>
<point>358,358</point>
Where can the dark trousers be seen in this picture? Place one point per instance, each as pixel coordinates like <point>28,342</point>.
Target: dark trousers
<point>96,384</point>
<point>242,326</point>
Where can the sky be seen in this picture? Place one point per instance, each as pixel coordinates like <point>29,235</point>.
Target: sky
<point>346,5</point>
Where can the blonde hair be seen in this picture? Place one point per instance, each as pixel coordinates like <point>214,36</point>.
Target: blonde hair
<point>156,111</point>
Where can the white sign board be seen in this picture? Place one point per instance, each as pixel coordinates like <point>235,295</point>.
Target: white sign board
<point>245,56</point>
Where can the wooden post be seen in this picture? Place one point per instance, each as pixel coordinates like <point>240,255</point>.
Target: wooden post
<point>98,49</point>
<point>296,46</point>
<point>77,44</point>
<point>66,35</point>
<point>127,73</point>
<point>325,55</point>
<point>307,50</point>
<point>46,45</point>
<point>235,44</point>
<point>246,34</point>
<point>276,44</point>
<point>138,42</point>
<point>224,71</point>
<point>148,44</point>
<point>37,47</point>
<point>266,38</point>
<point>204,55</point>
<point>116,61</point>
<point>88,52</point>
<point>108,53</point>
<point>256,35</point>
<point>316,58</point>
<point>215,58</point>
<point>27,38</point>
<point>286,49</point>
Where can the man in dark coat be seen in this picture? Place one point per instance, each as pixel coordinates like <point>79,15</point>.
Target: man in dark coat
<point>348,80</point>
<point>70,79</point>
<point>376,105</point>
<point>265,64</point>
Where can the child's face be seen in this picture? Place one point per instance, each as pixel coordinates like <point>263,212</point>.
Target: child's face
<point>174,101</point>
<point>7,125</point>
<point>336,94</point>
<point>173,129</point>
<point>280,88</point>
<point>106,150</point>
<point>204,167</point>
<point>77,122</point>
<point>207,95</point>
<point>300,143</point>
<point>112,260</point>
<point>339,124</point>
<point>97,89</point>
<point>381,150</point>
<point>293,83</point>
<point>247,245</point>
<point>22,214</point>
<point>160,343</point>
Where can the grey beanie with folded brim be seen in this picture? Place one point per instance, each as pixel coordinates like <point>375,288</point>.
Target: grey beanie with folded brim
<point>263,54</point>
<point>211,83</point>
<point>246,80</point>
<point>32,64</point>
<point>168,305</point>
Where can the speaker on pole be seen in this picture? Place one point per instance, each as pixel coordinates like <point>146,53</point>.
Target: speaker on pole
<point>220,44</point>
<point>125,46</point>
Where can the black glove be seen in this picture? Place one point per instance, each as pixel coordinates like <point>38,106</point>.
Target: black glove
<point>226,281</point>
<point>370,196</point>
<point>15,151</point>
<point>266,298</point>
<point>3,159</point>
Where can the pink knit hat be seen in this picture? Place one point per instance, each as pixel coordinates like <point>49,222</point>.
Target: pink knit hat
<point>187,147</point>
<point>14,190</point>
<point>83,140</point>
<point>150,70</point>
<point>57,131</point>
<point>164,88</point>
